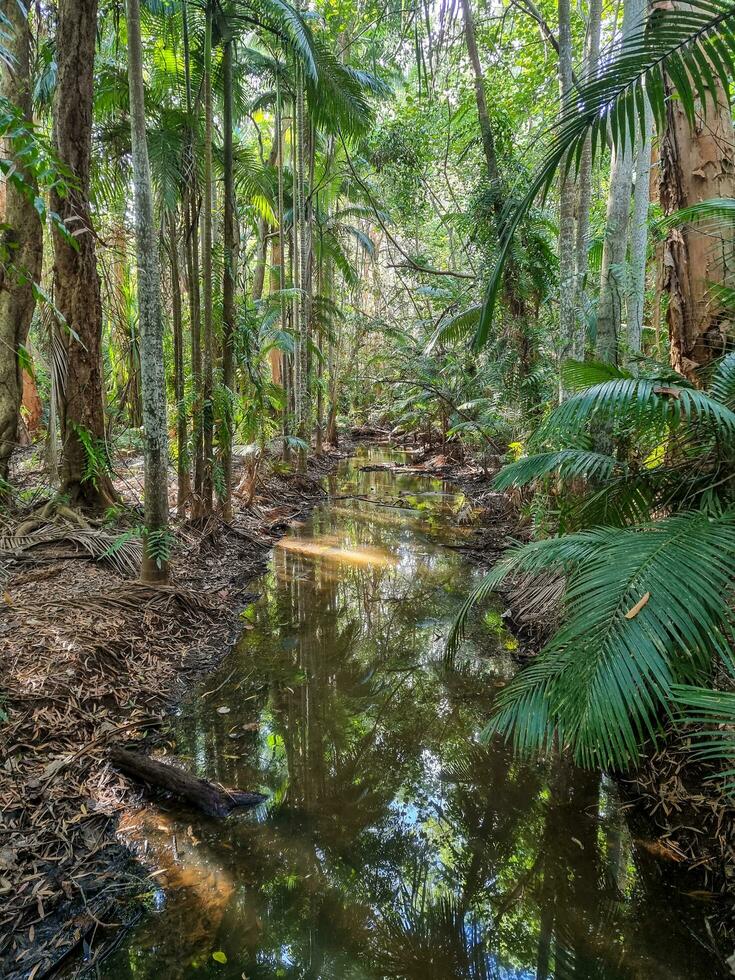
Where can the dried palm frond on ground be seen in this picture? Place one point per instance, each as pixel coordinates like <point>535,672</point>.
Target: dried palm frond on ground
<point>91,657</point>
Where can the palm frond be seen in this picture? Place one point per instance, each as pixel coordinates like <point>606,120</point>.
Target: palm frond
<point>640,402</point>
<point>455,327</point>
<point>569,464</point>
<point>722,386</point>
<point>646,608</point>
<point>714,713</point>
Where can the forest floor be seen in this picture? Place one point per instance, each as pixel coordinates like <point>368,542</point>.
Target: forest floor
<point>90,658</point>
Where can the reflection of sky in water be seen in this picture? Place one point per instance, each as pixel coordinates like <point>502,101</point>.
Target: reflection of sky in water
<point>394,843</point>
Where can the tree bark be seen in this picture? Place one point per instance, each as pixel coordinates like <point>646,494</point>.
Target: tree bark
<point>697,165</point>
<point>208,345</point>
<point>192,274</point>
<point>567,200</point>
<point>153,381</point>
<point>303,259</point>
<point>639,236</point>
<point>228,290</point>
<point>486,129</point>
<point>23,241</point>
<point>85,464</point>
<point>612,274</point>
<point>183,484</point>
<point>584,185</point>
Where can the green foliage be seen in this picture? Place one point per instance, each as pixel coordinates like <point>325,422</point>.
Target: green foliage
<point>96,456</point>
<point>692,48</point>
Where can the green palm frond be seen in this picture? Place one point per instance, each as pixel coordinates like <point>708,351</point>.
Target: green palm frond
<point>455,327</point>
<point>718,209</point>
<point>646,608</point>
<point>722,386</point>
<point>691,47</point>
<point>640,402</point>
<point>569,464</point>
<point>714,711</point>
<point>578,375</point>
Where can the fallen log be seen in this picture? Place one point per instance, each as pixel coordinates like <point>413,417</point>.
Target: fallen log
<point>214,800</point>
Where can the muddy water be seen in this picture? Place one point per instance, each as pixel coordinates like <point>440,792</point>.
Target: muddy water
<point>394,843</point>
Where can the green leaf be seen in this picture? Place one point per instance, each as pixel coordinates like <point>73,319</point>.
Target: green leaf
<point>219,956</point>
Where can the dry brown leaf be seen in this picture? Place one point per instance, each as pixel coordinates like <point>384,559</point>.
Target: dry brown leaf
<point>643,601</point>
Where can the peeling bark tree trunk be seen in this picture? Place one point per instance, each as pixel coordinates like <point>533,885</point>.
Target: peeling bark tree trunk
<point>85,466</point>
<point>697,165</point>
<point>153,382</point>
<point>23,239</point>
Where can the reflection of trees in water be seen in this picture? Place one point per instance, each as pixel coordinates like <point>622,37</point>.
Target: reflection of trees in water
<point>395,845</point>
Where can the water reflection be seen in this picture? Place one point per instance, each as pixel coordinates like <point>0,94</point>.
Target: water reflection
<point>394,843</point>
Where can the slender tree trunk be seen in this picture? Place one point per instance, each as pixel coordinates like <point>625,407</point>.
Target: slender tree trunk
<point>193,276</point>
<point>486,130</point>
<point>567,200</point>
<point>208,351</point>
<point>153,381</point>
<point>303,262</point>
<point>261,259</point>
<point>85,463</point>
<point>639,236</point>
<point>23,241</point>
<point>282,268</point>
<point>584,185</point>
<point>228,290</point>
<point>613,272</point>
<point>697,165</point>
<point>183,485</point>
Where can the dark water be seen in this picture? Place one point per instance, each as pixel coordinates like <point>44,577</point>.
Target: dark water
<point>394,842</point>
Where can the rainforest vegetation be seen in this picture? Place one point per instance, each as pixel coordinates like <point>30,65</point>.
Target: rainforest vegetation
<point>238,233</point>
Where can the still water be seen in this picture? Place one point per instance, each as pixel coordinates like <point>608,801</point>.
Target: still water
<point>394,843</point>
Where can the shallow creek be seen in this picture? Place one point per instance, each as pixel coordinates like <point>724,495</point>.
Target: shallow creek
<point>395,842</point>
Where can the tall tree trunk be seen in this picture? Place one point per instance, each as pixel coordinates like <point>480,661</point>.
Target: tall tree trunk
<point>192,274</point>
<point>22,240</point>
<point>153,381</point>
<point>183,484</point>
<point>208,345</point>
<point>639,236</point>
<point>612,273</point>
<point>486,129</point>
<point>85,463</point>
<point>697,165</point>
<point>567,200</point>
<point>584,186</point>
<point>228,290</point>
<point>282,269</point>
<point>261,259</point>
<point>303,265</point>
